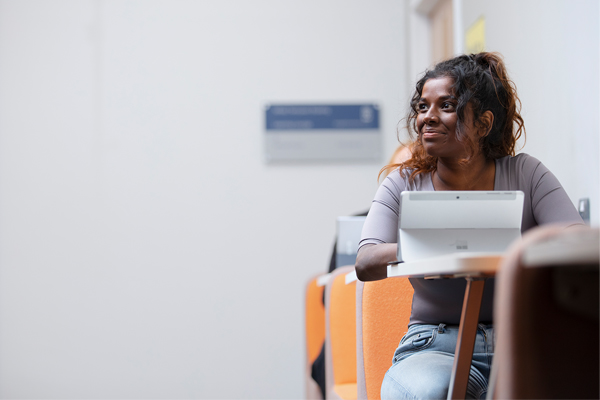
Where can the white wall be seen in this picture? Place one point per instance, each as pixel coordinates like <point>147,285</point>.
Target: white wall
<point>551,49</point>
<point>146,250</point>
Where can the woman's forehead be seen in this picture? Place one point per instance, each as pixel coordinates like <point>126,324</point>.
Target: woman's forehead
<point>442,84</point>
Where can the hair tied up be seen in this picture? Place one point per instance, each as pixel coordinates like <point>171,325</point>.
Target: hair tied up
<point>475,92</point>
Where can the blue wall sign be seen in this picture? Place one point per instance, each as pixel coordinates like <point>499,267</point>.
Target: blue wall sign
<point>322,133</point>
<point>309,117</point>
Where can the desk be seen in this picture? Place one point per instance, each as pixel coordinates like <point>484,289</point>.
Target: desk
<point>475,268</point>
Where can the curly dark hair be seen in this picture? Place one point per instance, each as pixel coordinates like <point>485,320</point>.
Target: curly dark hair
<point>481,81</point>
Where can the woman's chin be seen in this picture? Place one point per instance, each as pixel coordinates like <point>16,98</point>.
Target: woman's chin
<point>431,151</point>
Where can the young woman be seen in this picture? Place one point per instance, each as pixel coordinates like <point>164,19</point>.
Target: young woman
<point>464,123</point>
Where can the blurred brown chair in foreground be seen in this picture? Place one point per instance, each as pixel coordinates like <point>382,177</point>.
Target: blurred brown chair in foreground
<point>546,317</point>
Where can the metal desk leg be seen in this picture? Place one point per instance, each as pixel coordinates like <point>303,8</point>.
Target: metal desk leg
<point>467,332</point>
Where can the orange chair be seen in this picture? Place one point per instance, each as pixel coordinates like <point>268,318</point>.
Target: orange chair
<point>382,314</point>
<point>340,346</point>
<point>546,317</point>
<point>314,317</point>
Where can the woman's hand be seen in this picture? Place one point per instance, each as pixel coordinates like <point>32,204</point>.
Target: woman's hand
<point>372,260</point>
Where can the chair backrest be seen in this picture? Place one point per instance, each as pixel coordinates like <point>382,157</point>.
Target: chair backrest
<point>340,348</point>
<point>546,317</point>
<point>314,318</point>
<point>382,314</point>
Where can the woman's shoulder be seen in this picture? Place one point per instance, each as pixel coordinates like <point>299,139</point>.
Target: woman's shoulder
<point>401,180</point>
<point>520,172</point>
<point>522,162</point>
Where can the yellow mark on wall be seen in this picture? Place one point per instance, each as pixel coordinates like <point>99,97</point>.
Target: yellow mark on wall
<point>475,37</point>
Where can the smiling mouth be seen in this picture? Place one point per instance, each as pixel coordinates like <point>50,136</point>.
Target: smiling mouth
<point>432,133</point>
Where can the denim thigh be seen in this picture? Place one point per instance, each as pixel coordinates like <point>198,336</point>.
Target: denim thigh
<point>422,364</point>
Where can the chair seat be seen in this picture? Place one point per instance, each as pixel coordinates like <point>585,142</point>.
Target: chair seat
<point>382,314</point>
<point>340,345</point>
<point>346,391</point>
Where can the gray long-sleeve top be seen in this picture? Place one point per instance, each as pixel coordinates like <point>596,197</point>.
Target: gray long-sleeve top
<point>440,300</point>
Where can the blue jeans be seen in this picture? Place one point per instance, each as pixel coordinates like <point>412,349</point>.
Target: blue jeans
<point>422,364</point>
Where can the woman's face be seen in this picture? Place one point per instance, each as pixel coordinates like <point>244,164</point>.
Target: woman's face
<point>437,120</point>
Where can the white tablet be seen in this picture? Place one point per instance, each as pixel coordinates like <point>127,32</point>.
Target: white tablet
<point>438,223</point>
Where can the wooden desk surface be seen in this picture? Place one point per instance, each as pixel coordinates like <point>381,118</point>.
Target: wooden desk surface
<point>452,265</point>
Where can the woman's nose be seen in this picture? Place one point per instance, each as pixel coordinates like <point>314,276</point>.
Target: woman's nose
<point>431,117</point>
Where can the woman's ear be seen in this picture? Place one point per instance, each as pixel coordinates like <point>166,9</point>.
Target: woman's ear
<point>486,122</point>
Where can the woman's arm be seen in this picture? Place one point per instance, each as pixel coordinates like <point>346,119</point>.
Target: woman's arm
<point>550,202</point>
<point>372,260</point>
<point>380,232</point>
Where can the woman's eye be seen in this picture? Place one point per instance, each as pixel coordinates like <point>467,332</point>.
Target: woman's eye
<point>447,105</point>
<point>421,106</point>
